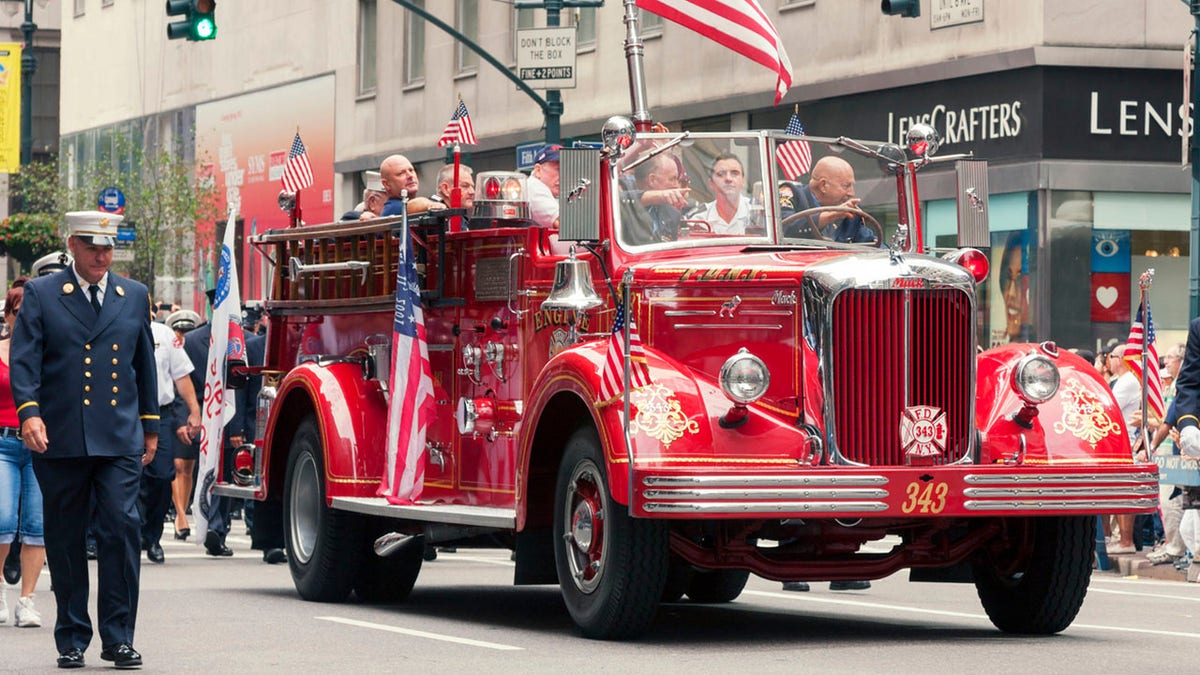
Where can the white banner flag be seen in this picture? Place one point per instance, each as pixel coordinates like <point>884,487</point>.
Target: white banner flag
<point>226,343</point>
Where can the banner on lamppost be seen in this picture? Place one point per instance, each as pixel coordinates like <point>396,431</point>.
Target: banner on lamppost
<point>10,107</point>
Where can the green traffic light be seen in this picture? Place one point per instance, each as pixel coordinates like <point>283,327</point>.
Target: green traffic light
<point>205,28</point>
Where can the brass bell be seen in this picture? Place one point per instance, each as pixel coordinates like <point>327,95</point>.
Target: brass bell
<point>572,289</point>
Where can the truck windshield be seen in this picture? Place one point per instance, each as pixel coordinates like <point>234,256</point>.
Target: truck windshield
<point>752,188</point>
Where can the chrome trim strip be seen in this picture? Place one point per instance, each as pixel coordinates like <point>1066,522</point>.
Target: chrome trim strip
<point>746,326</point>
<point>766,493</point>
<point>1098,505</point>
<point>690,312</point>
<point>760,480</point>
<point>764,507</point>
<point>1099,491</point>
<point>454,514</point>
<point>995,478</point>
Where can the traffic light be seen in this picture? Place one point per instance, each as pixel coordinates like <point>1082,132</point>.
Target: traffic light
<point>199,22</point>
<point>908,8</point>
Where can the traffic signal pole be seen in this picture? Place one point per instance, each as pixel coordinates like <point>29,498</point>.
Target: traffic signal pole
<point>552,108</point>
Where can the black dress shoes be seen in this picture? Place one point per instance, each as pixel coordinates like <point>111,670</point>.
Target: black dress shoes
<point>155,553</point>
<point>122,656</point>
<point>274,556</point>
<point>72,658</point>
<point>215,547</point>
<point>183,534</point>
<point>797,586</point>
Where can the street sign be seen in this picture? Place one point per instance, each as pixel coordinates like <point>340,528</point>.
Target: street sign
<point>546,57</point>
<point>126,234</point>
<point>122,255</point>
<point>526,153</point>
<point>112,200</point>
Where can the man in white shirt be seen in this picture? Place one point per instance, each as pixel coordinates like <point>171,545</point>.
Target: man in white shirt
<point>543,187</point>
<point>729,212</point>
<point>154,496</point>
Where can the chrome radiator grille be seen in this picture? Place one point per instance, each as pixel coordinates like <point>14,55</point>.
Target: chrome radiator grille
<point>893,349</point>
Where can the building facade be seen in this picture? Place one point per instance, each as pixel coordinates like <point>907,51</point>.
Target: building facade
<point>1083,128</point>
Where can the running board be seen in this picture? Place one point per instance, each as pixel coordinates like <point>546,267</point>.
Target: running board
<point>235,491</point>
<point>454,514</point>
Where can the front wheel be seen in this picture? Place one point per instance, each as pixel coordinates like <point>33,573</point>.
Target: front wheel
<point>323,544</point>
<point>611,568</point>
<point>1041,593</point>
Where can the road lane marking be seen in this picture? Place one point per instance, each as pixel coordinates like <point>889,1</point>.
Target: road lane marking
<point>964,615</point>
<point>1145,595</point>
<point>420,633</point>
<point>454,557</point>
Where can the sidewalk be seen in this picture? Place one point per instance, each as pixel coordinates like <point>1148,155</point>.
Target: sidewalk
<point>1136,565</point>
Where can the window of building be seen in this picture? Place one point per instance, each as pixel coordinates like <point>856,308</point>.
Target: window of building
<point>107,3</point>
<point>414,46</point>
<point>585,28</point>
<point>521,18</point>
<point>652,24</point>
<point>367,57</point>
<point>785,5</point>
<point>80,6</point>
<point>467,22</point>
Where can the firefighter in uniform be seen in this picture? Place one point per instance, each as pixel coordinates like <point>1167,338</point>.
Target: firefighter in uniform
<point>83,380</point>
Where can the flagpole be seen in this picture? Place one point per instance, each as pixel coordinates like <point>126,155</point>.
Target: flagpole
<point>456,192</point>
<point>1144,283</point>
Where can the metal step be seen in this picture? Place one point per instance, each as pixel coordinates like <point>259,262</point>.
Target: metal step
<point>456,514</point>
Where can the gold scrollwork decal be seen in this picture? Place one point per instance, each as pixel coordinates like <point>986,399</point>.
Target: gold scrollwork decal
<point>659,414</point>
<point>1083,415</point>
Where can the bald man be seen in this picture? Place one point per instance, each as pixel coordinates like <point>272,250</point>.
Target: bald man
<point>397,175</point>
<point>832,184</point>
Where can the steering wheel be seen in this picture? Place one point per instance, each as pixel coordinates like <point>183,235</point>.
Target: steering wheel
<point>816,230</point>
<point>695,227</point>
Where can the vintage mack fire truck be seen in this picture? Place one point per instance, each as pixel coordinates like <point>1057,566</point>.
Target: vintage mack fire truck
<point>774,403</point>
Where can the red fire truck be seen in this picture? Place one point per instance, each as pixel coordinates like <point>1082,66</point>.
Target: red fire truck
<point>781,404</point>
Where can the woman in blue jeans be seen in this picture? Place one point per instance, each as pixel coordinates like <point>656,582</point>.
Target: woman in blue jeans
<point>20,496</point>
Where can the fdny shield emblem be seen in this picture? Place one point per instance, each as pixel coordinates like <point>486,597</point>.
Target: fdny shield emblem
<point>923,431</point>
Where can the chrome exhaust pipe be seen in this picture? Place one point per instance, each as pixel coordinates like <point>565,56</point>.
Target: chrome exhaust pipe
<point>391,543</point>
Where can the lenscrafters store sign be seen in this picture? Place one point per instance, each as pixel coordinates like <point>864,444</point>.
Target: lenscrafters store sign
<point>1059,113</point>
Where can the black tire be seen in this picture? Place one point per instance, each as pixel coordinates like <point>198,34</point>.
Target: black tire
<point>1041,595</point>
<point>611,568</point>
<point>388,580</point>
<point>716,586</point>
<point>324,546</point>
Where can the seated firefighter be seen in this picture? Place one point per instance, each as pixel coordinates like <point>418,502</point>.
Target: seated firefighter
<point>653,208</point>
<point>832,184</point>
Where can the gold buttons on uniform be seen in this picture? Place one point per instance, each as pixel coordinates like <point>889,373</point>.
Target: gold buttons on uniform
<point>86,402</point>
<point>114,362</point>
<point>114,348</point>
<point>114,402</point>
<point>87,373</point>
<point>87,387</point>
<point>115,390</point>
<point>114,376</point>
<point>87,347</point>
<point>87,361</point>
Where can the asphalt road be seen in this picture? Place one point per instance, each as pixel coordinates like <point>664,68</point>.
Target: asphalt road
<point>206,615</point>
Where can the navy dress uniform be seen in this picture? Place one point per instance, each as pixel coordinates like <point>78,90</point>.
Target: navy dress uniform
<point>83,362</point>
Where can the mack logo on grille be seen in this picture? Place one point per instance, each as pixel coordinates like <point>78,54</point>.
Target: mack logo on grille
<point>908,282</point>
<point>923,431</point>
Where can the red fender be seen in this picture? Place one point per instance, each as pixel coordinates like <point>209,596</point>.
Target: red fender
<point>352,418</point>
<point>1081,424</point>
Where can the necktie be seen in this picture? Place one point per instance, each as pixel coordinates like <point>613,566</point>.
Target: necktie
<point>94,290</point>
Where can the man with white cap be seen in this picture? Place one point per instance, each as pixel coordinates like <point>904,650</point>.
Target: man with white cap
<point>49,264</point>
<point>84,383</point>
<point>373,199</point>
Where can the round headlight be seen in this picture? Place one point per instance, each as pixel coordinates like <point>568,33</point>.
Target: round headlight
<point>744,377</point>
<point>1036,378</point>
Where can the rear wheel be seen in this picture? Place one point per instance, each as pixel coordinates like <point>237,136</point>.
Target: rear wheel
<point>1042,593</point>
<point>717,586</point>
<point>611,568</point>
<point>323,545</point>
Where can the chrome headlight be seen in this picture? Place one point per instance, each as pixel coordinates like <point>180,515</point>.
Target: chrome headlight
<point>1036,378</point>
<point>744,377</point>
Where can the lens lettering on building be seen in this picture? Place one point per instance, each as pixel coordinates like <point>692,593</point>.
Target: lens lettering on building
<point>1133,117</point>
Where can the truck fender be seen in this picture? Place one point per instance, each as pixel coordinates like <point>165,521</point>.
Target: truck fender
<point>351,416</point>
<point>1081,423</point>
<point>680,424</point>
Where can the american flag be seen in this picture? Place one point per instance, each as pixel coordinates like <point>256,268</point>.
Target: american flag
<point>1140,335</point>
<point>297,172</point>
<point>740,25</point>
<point>612,378</point>
<point>794,157</point>
<point>458,129</point>
<point>411,405</point>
